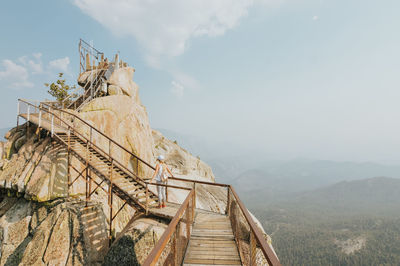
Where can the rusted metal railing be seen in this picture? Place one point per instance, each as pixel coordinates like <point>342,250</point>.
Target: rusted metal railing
<point>112,147</point>
<point>171,247</point>
<point>87,54</point>
<point>252,246</point>
<point>48,115</point>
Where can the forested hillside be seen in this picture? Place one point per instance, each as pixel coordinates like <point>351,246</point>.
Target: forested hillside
<point>349,223</point>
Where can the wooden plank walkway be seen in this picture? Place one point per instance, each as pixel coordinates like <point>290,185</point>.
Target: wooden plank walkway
<point>212,241</point>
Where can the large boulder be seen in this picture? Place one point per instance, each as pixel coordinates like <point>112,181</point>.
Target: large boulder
<point>55,233</point>
<point>133,247</point>
<point>181,161</point>
<point>14,230</point>
<point>123,79</point>
<point>125,121</point>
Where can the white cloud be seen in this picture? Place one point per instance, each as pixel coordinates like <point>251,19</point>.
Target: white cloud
<point>19,73</point>
<point>163,28</point>
<point>315,18</point>
<point>60,64</point>
<point>177,89</point>
<point>34,64</point>
<point>186,80</point>
<point>37,55</point>
<point>14,74</point>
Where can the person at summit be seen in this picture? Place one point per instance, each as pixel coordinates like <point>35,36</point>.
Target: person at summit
<point>161,178</point>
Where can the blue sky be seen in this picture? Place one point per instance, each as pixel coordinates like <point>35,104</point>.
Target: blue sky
<point>311,79</point>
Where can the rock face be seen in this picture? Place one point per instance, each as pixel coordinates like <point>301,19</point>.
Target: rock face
<point>49,234</point>
<point>180,160</point>
<point>1,149</point>
<point>136,243</point>
<point>39,225</point>
<point>37,169</point>
<point>126,122</point>
<point>122,78</point>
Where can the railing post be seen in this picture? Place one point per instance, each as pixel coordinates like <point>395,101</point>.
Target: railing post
<point>111,212</point>
<point>147,198</point>
<point>18,113</point>
<point>40,118</point>
<point>29,113</point>
<point>194,201</point>
<point>110,198</point>
<point>174,248</point>
<point>188,222</point>
<point>87,173</point>
<point>194,190</point>
<point>193,207</point>
<point>52,125</point>
<point>227,200</point>
<point>68,163</point>
<point>87,184</point>
<point>109,147</point>
<point>166,191</point>
<point>253,249</point>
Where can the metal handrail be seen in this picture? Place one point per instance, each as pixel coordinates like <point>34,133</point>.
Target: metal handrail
<point>104,135</point>
<point>267,251</point>
<point>84,138</point>
<point>89,48</point>
<point>198,181</point>
<point>156,252</point>
<point>269,254</point>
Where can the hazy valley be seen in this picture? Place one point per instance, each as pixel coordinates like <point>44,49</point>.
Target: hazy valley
<point>317,212</point>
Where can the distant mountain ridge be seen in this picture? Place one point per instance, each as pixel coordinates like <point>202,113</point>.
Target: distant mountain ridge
<point>372,197</point>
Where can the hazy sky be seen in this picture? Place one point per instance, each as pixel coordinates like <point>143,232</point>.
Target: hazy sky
<point>290,78</point>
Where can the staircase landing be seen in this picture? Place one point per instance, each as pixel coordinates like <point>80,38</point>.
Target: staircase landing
<point>46,124</point>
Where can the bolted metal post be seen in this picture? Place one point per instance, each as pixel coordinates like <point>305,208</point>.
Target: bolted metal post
<point>18,114</point>
<point>52,125</point>
<point>227,200</point>
<point>188,223</point>
<point>253,249</point>
<point>111,212</point>
<point>109,147</point>
<point>87,185</point>
<point>166,191</point>
<point>68,170</point>
<point>110,198</point>
<point>194,188</point>
<point>147,198</point>
<point>87,173</point>
<point>174,249</point>
<point>40,118</point>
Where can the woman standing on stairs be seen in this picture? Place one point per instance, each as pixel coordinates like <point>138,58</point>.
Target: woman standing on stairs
<point>161,178</point>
